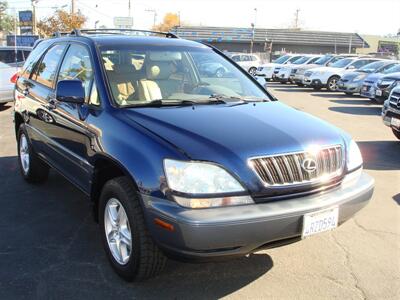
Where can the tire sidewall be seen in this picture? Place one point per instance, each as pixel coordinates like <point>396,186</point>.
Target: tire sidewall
<point>328,83</point>
<point>22,130</point>
<point>113,190</point>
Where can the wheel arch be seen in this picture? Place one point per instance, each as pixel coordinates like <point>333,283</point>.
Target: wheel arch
<point>105,169</point>
<point>18,120</point>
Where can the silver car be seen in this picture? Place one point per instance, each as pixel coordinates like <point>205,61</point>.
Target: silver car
<point>6,86</point>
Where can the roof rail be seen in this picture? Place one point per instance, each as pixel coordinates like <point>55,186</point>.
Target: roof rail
<point>88,31</point>
<point>60,33</point>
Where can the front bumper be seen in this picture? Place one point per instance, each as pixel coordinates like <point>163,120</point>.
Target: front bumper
<point>389,112</point>
<point>238,230</point>
<point>348,87</point>
<point>367,91</point>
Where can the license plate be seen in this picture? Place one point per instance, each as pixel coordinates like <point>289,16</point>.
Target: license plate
<point>378,92</point>
<point>320,221</point>
<point>395,122</point>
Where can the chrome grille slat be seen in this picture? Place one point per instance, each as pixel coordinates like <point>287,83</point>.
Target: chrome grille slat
<point>287,169</point>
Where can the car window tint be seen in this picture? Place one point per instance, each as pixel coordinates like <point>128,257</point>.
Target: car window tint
<point>20,56</point>
<point>313,60</point>
<point>77,65</point>
<point>236,58</point>
<point>7,56</point>
<point>359,63</point>
<point>45,71</point>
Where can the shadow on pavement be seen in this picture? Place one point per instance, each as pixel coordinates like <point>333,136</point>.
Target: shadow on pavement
<point>397,198</point>
<point>357,110</point>
<point>335,95</point>
<point>5,107</point>
<point>376,154</point>
<point>355,102</point>
<point>292,89</point>
<point>50,248</point>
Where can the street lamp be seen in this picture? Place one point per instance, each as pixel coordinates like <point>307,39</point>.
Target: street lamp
<point>253,25</point>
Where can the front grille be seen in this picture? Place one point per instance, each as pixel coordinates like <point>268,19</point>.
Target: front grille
<point>394,100</point>
<point>290,169</point>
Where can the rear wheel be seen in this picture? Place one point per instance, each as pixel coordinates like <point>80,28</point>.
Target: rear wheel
<point>32,168</point>
<point>332,83</point>
<point>396,133</point>
<point>127,242</point>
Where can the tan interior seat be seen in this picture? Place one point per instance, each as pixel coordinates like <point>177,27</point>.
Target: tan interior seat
<point>123,80</point>
<point>156,85</point>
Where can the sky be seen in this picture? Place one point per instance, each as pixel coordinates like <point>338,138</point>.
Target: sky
<point>380,17</point>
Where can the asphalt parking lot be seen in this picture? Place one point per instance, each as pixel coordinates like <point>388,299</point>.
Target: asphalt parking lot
<point>50,247</point>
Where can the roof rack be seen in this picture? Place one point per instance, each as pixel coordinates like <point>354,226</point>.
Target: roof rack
<point>139,32</point>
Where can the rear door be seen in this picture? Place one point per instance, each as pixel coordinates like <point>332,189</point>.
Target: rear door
<point>35,88</point>
<point>69,132</point>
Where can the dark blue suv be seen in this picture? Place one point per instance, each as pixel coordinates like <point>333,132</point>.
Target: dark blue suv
<point>179,162</point>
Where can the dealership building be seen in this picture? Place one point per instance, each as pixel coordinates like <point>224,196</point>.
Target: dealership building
<point>278,40</point>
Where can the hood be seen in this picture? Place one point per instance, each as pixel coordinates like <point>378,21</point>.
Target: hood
<point>270,65</point>
<point>244,130</point>
<point>230,134</point>
<point>373,77</point>
<point>395,76</point>
<point>353,74</point>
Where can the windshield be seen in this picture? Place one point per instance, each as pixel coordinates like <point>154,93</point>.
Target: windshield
<point>323,60</point>
<point>301,60</point>
<point>342,63</point>
<point>372,67</point>
<point>282,59</point>
<point>140,75</point>
<point>395,68</point>
<point>293,59</point>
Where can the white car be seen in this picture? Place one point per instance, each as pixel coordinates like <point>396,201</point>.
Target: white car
<point>249,62</point>
<point>328,76</point>
<point>287,72</point>
<point>6,86</point>
<point>268,71</point>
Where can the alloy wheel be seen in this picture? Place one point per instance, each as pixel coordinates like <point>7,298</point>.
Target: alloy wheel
<point>24,153</point>
<point>118,231</point>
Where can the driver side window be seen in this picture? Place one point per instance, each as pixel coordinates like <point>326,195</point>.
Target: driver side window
<point>77,65</point>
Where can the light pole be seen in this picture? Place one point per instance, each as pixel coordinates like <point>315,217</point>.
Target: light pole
<point>253,29</point>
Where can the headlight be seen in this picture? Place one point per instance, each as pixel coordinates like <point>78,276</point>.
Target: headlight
<point>354,158</point>
<point>359,77</point>
<point>202,179</point>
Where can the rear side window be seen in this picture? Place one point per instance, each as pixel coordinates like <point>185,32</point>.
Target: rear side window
<point>7,56</point>
<point>26,54</point>
<point>33,58</point>
<point>359,63</point>
<point>313,60</point>
<point>45,71</point>
<point>77,65</point>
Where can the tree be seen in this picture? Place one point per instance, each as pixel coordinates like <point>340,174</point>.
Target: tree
<point>61,21</point>
<point>6,21</point>
<point>170,21</point>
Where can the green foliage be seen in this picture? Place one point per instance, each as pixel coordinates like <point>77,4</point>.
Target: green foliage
<point>6,21</point>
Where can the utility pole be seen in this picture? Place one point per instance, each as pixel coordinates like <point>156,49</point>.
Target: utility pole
<point>351,40</point>
<point>33,2</point>
<point>253,30</point>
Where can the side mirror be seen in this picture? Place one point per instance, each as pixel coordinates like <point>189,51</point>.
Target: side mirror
<point>70,91</point>
<point>351,67</point>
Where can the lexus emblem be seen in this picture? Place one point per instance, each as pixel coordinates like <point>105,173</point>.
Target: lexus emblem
<point>309,165</point>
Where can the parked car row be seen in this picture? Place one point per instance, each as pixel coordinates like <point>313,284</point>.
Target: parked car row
<point>11,60</point>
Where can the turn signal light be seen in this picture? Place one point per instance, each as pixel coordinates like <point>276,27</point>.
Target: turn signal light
<point>164,224</point>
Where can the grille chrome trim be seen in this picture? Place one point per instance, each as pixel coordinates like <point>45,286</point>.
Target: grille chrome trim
<point>286,169</point>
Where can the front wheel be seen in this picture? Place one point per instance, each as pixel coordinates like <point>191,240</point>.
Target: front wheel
<point>396,133</point>
<point>332,83</point>
<point>127,242</point>
<point>32,168</point>
<point>252,71</point>
<point>316,88</point>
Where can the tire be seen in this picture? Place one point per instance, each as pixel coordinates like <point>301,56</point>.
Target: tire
<point>32,168</point>
<point>348,93</point>
<point>283,82</point>
<point>300,84</point>
<point>396,133</point>
<point>316,88</point>
<point>220,73</point>
<point>252,71</point>
<point>145,259</point>
<point>331,83</point>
